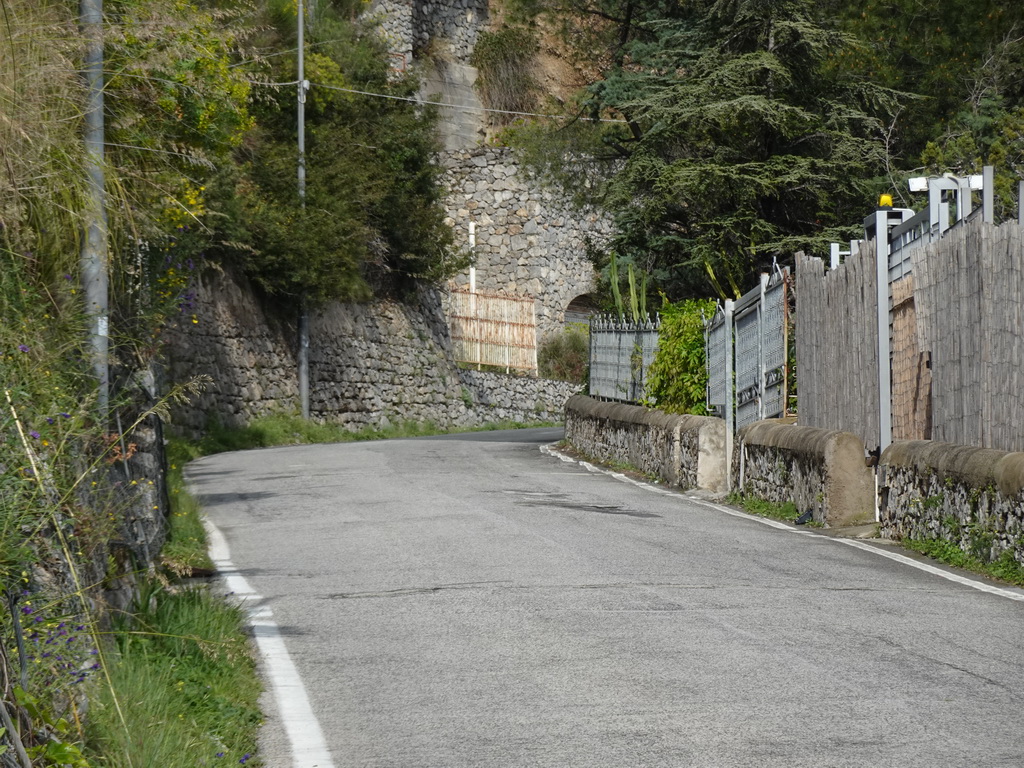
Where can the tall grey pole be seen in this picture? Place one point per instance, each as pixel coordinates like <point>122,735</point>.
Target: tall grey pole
<point>884,354</point>
<point>303,311</point>
<point>730,397</point>
<point>94,256</point>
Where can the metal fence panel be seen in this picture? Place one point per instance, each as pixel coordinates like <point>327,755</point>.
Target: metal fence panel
<point>760,336</point>
<point>774,343</point>
<point>493,329</point>
<point>748,365</point>
<point>715,353</point>
<point>621,353</point>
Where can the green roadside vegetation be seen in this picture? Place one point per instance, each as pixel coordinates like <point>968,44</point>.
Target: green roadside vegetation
<point>182,686</point>
<point>1003,568</point>
<point>785,511</point>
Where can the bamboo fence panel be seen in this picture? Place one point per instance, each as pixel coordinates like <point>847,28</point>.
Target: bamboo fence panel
<point>493,329</point>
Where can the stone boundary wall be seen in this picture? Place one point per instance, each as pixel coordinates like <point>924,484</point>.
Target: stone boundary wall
<point>445,29</point>
<point>684,451</point>
<point>527,240</point>
<point>816,469</point>
<point>371,365</point>
<point>973,497</point>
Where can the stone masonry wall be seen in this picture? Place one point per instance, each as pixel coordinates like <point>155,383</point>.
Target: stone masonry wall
<point>972,497</point>
<point>527,240</point>
<point>371,365</point>
<point>444,29</point>
<point>683,451</point>
<point>817,469</point>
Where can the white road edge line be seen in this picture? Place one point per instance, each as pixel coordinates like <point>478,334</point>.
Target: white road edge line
<point>894,556</point>
<point>309,750</point>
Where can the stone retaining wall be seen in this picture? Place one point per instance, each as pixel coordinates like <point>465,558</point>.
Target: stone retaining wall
<point>438,28</point>
<point>528,241</point>
<point>817,469</point>
<point>371,365</point>
<point>973,497</point>
<point>684,451</point>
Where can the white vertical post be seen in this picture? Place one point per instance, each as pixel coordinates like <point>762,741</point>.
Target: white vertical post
<point>730,412</point>
<point>882,298</point>
<point>834,256</point>
<point>988,201</point>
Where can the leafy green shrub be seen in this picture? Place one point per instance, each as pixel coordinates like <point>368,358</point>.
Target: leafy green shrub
<point>504,58</point>
<point>565,356</point>
<point>677,380</point>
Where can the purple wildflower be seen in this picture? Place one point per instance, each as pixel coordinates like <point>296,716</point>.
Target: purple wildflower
<point>23,347</point>
<point>34,434</point>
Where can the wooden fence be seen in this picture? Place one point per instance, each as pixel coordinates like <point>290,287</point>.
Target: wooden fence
<point>498,330</point>
<point>836,344</point>
<point>957,341</point>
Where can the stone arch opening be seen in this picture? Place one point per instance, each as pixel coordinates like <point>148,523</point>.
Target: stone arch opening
<point>581,309</point>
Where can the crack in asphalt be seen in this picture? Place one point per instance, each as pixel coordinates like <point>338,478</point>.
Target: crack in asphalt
<point>504,585</point>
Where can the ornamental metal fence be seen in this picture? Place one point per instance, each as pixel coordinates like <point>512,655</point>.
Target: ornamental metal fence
<point>745,346</point>
<point>621,353</point>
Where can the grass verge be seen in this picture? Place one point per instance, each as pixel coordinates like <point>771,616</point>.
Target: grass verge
<point>185,683</point>
<point>1004,568</point>
<point>786,511</point>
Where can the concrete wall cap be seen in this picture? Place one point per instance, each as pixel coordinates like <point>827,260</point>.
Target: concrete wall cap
<point>637,414</point>
<point>977,467</point>
<point>810,441</point>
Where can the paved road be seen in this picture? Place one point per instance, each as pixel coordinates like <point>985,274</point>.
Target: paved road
<point>472,601</point>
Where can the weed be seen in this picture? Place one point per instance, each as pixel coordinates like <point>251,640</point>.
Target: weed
<point>763,508</point>
<point>1005,567</point>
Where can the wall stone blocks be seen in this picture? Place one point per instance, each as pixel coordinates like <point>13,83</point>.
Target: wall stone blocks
<point>527,240</point>
<point>973,497</point>
<point>684,451</point>
<point>371,365</point>
<point>817,469</point>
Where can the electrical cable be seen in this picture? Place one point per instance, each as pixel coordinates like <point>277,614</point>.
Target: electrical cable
<point>466,107</point>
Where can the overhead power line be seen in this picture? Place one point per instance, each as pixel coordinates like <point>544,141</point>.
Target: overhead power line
<point>465,107</point>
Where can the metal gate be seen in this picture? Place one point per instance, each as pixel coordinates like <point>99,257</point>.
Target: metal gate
<point>755,328</point>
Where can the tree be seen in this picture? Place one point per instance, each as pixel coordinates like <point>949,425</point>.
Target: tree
<point>371,219</point>
<point>742,143</point>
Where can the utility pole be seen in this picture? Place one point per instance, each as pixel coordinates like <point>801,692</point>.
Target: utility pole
<point>94,256</point>
<point>303,311</point>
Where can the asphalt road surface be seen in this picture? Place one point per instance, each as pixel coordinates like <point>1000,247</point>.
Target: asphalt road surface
<point>473,601</point>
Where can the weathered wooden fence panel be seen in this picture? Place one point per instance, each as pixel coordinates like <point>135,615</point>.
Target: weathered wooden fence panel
<point>969,294</point>
<point>836,344</point>
<point>957,341</point>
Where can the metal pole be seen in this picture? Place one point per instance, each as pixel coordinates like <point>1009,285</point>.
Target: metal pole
<point>94,256</point>
<point>988,202</point>
<point>730,412</point>
<point>882,302</point>
<point>303,309</point>
<point>762,371</point>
